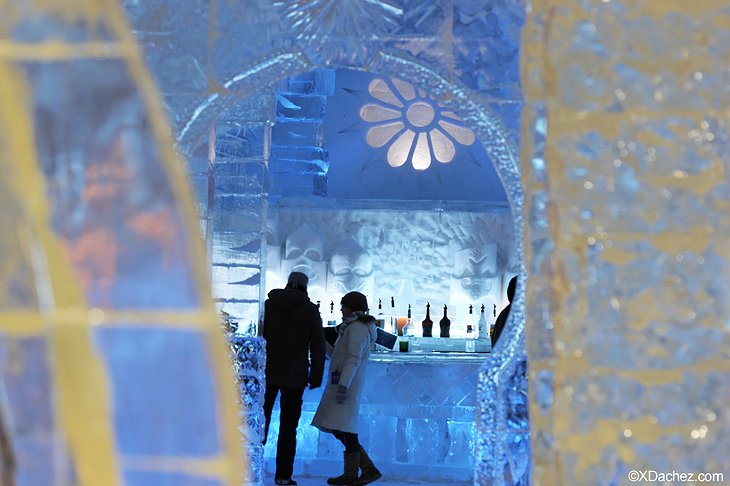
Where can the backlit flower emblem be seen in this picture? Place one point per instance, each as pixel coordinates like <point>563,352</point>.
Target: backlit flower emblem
<point>416,126</point>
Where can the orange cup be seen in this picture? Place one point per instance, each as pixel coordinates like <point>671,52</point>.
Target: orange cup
<point>400,323</point>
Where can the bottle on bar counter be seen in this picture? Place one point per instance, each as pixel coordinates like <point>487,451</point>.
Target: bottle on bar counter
<point>427,324</point>
<point>408,327</point>
<point>494,321</point>
<point>332,321</point>
<point>393,318</point>
<point>380,318</point>
<point>445,323</point>
<point>482,327</point>
<point>470,323</point>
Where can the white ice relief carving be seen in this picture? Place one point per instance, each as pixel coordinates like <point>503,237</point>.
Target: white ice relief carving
<point>442,258</point>
<point>304,252</point>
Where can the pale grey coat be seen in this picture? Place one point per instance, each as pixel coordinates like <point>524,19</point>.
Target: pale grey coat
<point>349,357</point>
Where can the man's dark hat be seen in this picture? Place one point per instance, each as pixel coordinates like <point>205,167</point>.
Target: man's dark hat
<point>299,279</point>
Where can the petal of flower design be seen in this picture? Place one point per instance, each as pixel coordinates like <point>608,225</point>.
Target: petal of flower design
<point>405,89</point>
<point>381,134</point>
<point>450,114</point>
<point>398,152</point>
<point>378,113</point>
<point>443,148</point>
<point>461,134</point>
<point>380,90</point>
<point>421,156</point>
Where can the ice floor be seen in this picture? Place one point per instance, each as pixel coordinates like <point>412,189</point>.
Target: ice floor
<point>321,480</point>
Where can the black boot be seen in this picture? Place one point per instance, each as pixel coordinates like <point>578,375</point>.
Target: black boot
<point>370,473</point>
<point>352,464</point>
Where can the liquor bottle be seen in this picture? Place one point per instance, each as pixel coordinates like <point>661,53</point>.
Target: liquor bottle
<point>408,327</point>
<point>318,302</point>
<point>380,318</point>
<point>470,323</point>
<point>427,324</point>
<point>494,321</point>
<point>393,318</point>
<point>332,322</point>
<point>482,329</point>
<point>445,323</point>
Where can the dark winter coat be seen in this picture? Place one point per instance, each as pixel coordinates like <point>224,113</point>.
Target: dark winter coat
<point>294,335</point>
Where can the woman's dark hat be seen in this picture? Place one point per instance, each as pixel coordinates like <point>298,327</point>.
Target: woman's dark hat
<point>355,301</point>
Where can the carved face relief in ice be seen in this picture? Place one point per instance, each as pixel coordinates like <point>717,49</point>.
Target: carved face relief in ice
<point>475,274</point>
<point>304,252</point>
<point>350,269</point>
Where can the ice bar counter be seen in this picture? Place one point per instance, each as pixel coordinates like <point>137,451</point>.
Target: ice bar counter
<point>418,412</point>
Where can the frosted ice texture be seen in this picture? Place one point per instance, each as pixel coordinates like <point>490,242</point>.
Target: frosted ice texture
<point>628,266</point>
<point>249,365</point>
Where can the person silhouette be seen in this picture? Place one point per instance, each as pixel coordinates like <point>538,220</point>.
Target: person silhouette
<point>502,317</point>
<point>295,354</point>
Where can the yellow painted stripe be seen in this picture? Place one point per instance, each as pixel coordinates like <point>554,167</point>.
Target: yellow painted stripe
<point>81,388</point>
<point>22,323</point>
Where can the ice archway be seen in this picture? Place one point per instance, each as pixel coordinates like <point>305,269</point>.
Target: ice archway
<point>505,370</point>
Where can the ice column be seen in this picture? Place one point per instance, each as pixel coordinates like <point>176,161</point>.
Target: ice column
<point>299,163</point>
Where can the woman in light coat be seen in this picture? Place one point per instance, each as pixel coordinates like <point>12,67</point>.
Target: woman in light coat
<point>338,411</point>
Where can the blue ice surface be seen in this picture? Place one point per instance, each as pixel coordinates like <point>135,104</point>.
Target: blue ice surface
<point>163,393</point>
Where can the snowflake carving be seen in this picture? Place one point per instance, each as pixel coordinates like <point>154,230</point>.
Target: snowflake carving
<point>356,19</point>
<point>415,125</point>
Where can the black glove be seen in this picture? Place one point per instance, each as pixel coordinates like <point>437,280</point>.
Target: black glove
<point>341,395</point>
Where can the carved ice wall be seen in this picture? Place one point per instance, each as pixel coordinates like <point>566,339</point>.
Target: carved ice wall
<point>454,258</point>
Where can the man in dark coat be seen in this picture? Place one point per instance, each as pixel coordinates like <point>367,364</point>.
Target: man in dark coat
<point>502,317</point>
<point>294,358</point>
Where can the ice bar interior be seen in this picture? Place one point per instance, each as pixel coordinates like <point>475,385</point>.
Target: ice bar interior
<point>373,143</point>
<point>357,211</point>
<point>374,186</point>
